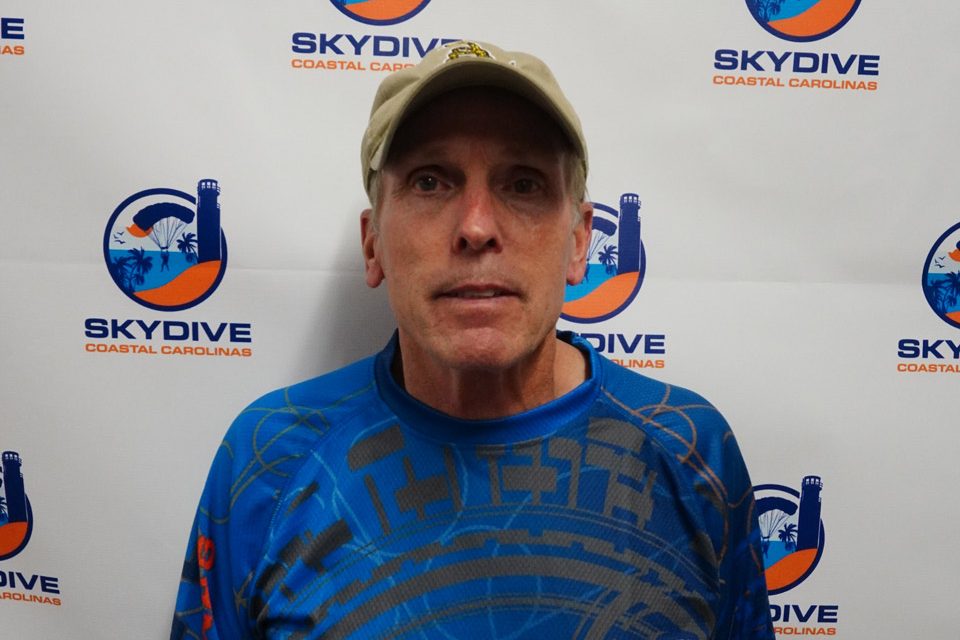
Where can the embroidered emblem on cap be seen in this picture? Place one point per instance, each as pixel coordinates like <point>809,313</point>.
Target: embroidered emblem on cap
<point>468,49</point>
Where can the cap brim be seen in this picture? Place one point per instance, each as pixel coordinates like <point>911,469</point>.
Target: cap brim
<point>474,72</point>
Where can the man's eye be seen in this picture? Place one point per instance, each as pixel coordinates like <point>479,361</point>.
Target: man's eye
<point>525,185</point>
<point>426,183</point>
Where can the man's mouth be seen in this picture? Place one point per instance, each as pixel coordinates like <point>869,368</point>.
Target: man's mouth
<point>476,292</point>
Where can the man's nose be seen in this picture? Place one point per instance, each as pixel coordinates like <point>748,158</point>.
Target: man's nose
<point>478,225</point>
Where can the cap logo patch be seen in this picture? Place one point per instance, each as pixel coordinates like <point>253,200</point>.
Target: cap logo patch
<point>468,49</point>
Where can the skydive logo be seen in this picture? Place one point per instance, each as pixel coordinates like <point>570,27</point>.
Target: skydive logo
<point>16,514</point>
<point>11,29</point>
<point>941,277</point>
<point>380,12</point>
<point>941,288</point>
<point>802,20</point>
<point>616,264</point>
<point>382,53</point>
<point>16,526</point>
<point>791,531</point>
<point>165,249</point>
<point>798,21</point>
<point>792,539</point>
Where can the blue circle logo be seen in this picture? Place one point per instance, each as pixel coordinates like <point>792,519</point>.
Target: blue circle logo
<point>380,12</point>
<point>941,277</point>
<point>791,532</point>
<point>165,249</point>
<point>802,20</point>
<point>16,514</point>
<point>616,264</point>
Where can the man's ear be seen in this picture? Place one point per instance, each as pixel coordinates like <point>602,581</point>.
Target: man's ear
<point>369,244</point>
<point>581,244</point>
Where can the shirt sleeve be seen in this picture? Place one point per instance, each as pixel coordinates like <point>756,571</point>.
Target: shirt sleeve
<point>745,609</point>
<point>228,532</point>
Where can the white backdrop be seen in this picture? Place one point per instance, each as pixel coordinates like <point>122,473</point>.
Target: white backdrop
<point>785,231</point>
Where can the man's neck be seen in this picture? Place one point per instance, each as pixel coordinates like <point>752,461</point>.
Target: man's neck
<point>479,394</point>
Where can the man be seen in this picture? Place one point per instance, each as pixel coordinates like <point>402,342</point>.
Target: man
<point>483,476</point>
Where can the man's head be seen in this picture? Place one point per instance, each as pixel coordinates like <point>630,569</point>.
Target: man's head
<point>481,219</point>
<point>465,64</point>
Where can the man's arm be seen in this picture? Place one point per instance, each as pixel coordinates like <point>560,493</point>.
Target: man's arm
<point>745,609</point>
<point>246,479</point>
<point>212,588</point>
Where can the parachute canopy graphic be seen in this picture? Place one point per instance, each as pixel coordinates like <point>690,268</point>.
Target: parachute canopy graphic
<point>773,511</point>
<point>162,222</point>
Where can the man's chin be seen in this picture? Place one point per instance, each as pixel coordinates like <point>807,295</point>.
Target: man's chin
<point>491,348</point>
<point>487,351</point>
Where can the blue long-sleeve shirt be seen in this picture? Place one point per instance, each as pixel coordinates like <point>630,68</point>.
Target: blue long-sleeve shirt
<point>342,507</point>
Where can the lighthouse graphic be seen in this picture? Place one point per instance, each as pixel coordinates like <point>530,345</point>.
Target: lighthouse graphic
<point>165,248</point>
<point>16,516</point>
<point>791,531</point>
<point>808,525</point>
<point>209,236</point>
<point>616,263</point>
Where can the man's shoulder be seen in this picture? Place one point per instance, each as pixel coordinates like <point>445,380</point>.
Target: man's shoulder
<point>676,416</point>
<point>327,391</point>
<point>696,439</point>
<point>640,391</point>
<point>290,418</point>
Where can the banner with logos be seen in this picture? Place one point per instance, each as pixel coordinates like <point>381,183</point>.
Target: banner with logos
<point>180,195</point>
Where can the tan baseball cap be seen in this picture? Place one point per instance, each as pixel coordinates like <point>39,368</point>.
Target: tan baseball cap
<point>455,65</point>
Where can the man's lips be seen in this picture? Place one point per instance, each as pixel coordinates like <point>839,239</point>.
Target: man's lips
<point>476,291</point>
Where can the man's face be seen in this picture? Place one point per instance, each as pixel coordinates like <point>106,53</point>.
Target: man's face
<point>477,233</point>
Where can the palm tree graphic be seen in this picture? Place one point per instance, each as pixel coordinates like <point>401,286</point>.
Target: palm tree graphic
<point>788,536</point>
<point>187,244</point>
<point>608,258</point>
<point>120,268</point>
<point>766,10</point>
<point>141,264</point>
<point>943,294</point>
<point>952,287</point>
